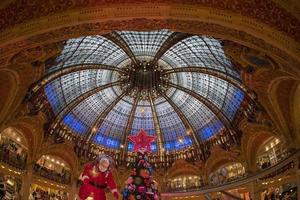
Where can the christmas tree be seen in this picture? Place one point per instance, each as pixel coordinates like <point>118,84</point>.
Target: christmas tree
<point>140,184</point>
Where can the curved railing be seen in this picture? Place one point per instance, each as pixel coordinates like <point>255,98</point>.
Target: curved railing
<point>12,158</point>
<point>237,182</point>
<point>64,178</point>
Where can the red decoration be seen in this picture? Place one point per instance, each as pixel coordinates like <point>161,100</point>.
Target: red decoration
<point>141,140</point>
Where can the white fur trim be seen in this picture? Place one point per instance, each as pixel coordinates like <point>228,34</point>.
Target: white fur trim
<point>114,190</point>
<point>84,177</point>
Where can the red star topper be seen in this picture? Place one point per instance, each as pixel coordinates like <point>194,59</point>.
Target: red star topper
<point>141,140</point>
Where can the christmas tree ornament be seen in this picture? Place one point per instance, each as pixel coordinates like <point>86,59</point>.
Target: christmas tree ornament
<point>133,171</point>
<point>126,193</point>
<point>131,188</point>
<point>144,173</point>
<point>141,162</point>
<point>129,180</point>
<point>141,189</point>
<point>138,180</point>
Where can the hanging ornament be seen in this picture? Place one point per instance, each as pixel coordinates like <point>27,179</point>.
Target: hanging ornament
<point>141,189</point>
<point>131,188</point>
<point>144,173</point>
<point>129,180</point>
<point>138,180</point>
<point>141,163</point>
<point>133,171</point>
<point>126,193</point>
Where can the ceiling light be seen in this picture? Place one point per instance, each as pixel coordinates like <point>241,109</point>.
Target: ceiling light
<point>267,148</point>
<point>180,140</point>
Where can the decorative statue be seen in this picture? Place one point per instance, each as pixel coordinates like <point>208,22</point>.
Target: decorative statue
<point>96,177</point>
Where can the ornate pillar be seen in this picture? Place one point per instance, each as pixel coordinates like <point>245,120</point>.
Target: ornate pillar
<point>74,190</point>
<point>27,179</point>
<point>298,181</point>
<point>254,190</point>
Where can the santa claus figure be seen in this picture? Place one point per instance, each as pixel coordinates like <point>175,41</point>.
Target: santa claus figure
<point>96,177</point>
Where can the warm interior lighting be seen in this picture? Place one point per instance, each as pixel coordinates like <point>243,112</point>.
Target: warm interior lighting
<point>180,140</point>
<point>267,148</point>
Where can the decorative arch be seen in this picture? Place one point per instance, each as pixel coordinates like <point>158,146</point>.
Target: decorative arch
<point>282,94</point>
<point>9,82</point>
<point>220,157</point>
<point>182,167</point>
<point>295,109</point>
<point>32,130</point>
<point>65,151</point>
<point>254,136</point>
<point>7,131</point>
<point>240,21</point>
<point>15,80</point>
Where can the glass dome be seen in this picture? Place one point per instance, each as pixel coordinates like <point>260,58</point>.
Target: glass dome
<point>179,87</point>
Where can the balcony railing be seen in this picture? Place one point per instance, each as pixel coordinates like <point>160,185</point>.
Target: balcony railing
<point>12,158</point>
<point>280,167</point>
<point>64,177</point>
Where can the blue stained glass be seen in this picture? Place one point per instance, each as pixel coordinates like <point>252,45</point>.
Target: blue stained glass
<point>130,146</point>
<point>53,98</point>
<point>196,51</point>
<point>153,147</point>
<point>75,124</point>
<point>232,105</point>
<point>107,141</point>
<point>210,129</point>
<point>143,121</point>
<point>176,145</point>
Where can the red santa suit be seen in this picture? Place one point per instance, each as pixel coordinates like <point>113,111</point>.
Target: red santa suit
<point>95,181</point>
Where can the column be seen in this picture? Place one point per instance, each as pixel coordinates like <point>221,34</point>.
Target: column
<point>298,182</point>
<point>254,191</point>
<point>27,179</point>
<point>74,190</point>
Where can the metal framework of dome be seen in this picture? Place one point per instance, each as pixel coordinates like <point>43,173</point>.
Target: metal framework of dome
<point>180,87</point>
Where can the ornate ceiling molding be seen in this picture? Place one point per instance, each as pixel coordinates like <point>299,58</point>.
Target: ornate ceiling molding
<point>267,12</point>
<point>218,158</point>
<point>190,26</point>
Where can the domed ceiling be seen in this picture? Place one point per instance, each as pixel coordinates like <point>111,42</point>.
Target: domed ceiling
<point>180,87</point>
